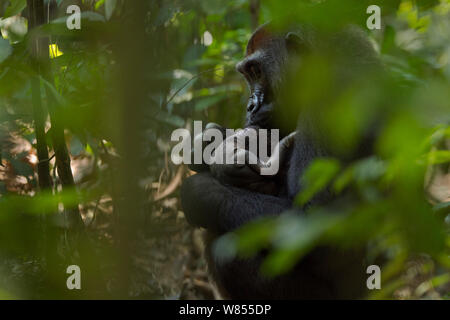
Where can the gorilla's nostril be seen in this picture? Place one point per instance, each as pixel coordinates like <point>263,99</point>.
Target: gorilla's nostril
<point>255,99</point>
<point>253,102</point>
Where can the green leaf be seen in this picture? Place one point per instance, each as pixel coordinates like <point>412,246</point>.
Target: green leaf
<point>5,49</point>
<point>295,236</point>
<point>99,3</point>
<point>344,179</point>
<point>58,97</point>
<point>438,156</point>
<point>253,236</point>
<point>110,5</point>
<point>363,171</point>
<point>170,119</point>
<point>15,7</point>
<point>5,295</point>
<point>45,202</point>
<point>440,280</point>
<point>317,176</point>
<point>206,102</point>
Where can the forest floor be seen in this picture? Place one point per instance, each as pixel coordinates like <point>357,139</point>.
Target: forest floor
<point>168,260</point>
<point>167,257</point>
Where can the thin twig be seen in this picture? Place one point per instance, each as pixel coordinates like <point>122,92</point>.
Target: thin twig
<point>46,160</point>
<point>187,82</point>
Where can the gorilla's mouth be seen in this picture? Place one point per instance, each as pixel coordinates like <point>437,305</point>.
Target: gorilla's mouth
<point>262,117</point>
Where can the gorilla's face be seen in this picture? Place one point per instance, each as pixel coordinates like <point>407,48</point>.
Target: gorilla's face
<point>264,68</point>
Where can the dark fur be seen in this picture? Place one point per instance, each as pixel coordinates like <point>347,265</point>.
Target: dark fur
<point>326,272</point>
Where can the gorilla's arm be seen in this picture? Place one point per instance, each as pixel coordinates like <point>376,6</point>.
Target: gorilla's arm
<point>221,208</point>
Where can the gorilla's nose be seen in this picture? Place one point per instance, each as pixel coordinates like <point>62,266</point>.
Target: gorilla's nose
<point>252,103</point>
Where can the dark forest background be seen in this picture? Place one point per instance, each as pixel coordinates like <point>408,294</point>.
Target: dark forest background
<point>85,122</point>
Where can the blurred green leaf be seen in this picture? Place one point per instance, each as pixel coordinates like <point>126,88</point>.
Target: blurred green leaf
<point>5,49</point>
<point>206,102</point>
<point>317,176</point>
<point>293,237</point>
<point>171,119</point>
<point>44,203</point>
<point>363,171</point>
<point>437,157</point>
<point>110,5</point>
<point>15,7</point>
<point>5,295</point>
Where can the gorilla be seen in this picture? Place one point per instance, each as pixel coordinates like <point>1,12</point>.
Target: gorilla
<point>221,198</point>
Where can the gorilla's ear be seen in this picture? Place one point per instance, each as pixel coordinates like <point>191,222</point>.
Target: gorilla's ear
<point>295,44</point>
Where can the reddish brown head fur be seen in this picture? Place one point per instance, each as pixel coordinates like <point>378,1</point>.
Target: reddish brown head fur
<point>259,39</point>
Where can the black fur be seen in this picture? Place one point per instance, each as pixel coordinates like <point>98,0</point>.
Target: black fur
<point>326,273</point>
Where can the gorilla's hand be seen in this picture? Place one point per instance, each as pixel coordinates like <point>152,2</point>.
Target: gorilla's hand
<point>232,164</point>
<point>230,160</point>
<point>253,174</point>
<point>233,174</point>
<point>238,175</point>
<point>201,167</point>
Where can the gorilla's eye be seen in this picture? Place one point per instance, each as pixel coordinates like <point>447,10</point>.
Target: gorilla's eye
<point>254,71</point>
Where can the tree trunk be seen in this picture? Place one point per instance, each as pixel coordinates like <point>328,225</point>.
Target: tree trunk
<point>39,115</point>
<point>40,50</point>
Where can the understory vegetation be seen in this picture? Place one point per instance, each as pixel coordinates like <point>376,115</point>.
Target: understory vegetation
<point>86,118</point>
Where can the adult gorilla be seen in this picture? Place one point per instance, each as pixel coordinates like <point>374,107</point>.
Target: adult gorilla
<point>220,202</point>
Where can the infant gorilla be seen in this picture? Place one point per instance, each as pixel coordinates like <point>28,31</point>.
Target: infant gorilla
<point>234,162</point>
